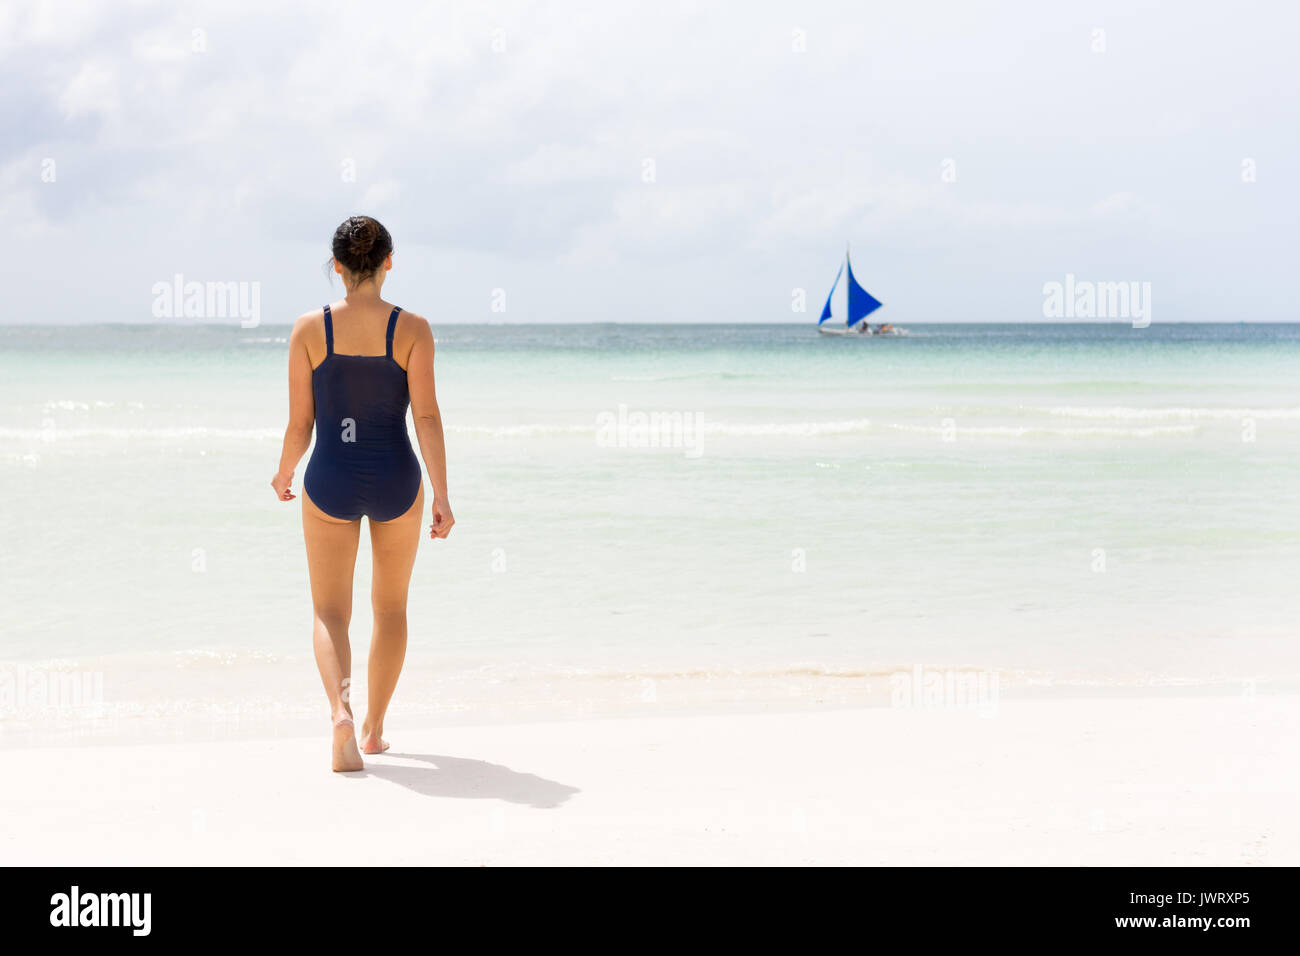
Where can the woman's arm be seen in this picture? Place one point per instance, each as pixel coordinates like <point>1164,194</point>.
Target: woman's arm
<point>428,424</point>
<point>302,410</point>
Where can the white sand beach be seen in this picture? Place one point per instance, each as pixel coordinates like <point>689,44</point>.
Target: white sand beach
<point>1010,580</point>
<point>1119,781</point>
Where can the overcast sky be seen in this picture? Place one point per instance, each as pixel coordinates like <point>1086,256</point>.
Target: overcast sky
<point>508,146</point>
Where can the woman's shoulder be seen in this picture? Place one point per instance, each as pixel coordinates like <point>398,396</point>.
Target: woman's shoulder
<point>308,333</point>
<point>406,315</point>
<point>307,320</point>
<point>412,325</point>
<point>412,330</point>
<point>307,323</point>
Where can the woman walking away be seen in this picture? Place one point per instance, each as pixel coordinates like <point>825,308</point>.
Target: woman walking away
<point>354,368</point>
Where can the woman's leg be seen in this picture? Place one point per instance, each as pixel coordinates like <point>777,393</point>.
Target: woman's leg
<point>331,559</point>
<point>393,545</point>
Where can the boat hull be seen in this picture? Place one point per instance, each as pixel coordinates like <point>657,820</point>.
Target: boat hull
<point>860,332</point>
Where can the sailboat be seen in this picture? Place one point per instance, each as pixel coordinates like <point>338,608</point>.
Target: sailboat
<point>860,304</point>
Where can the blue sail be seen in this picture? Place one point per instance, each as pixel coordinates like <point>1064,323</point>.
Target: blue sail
<point>826,312</point>
<point>861,302</point>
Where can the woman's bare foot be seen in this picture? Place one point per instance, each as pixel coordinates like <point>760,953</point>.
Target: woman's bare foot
<point>346,756</point>
<point>372,741</point>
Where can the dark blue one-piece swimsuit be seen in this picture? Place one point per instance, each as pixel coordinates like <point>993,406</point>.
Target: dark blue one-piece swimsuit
<point>363,463</point>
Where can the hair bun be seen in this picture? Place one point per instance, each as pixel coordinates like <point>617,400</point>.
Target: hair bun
<point>363,237</point>
<point>361,244</point>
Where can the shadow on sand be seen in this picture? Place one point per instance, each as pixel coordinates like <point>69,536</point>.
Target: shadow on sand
<point>471,779</point>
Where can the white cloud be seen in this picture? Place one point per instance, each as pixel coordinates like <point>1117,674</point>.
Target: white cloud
<point>379,194</point>
<point>93,89</point>
<point>599,158</point>
<point>500,136</point>
<point>164,45</point>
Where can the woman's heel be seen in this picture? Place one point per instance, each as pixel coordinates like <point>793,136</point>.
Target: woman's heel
<point>347,758</point>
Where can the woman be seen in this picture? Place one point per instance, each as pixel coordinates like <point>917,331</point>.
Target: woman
<point>354,366</point>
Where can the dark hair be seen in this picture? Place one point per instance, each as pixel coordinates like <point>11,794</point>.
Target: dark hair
<point>362,244</point>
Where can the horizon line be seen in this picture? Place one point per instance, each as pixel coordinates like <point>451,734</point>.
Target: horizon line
<point>233,324</point>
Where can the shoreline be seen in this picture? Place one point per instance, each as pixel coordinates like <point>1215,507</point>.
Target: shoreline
<point>67,704</point>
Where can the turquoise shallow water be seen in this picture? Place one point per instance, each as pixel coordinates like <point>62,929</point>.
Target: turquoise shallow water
<point>1084,505</point>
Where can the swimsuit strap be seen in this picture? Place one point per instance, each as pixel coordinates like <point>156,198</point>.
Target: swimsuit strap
<point>392,325</point>
<point>329,333</point>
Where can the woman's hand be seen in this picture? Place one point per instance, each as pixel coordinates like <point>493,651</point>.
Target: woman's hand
<point>281,483</point>
<point>442,519</point>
